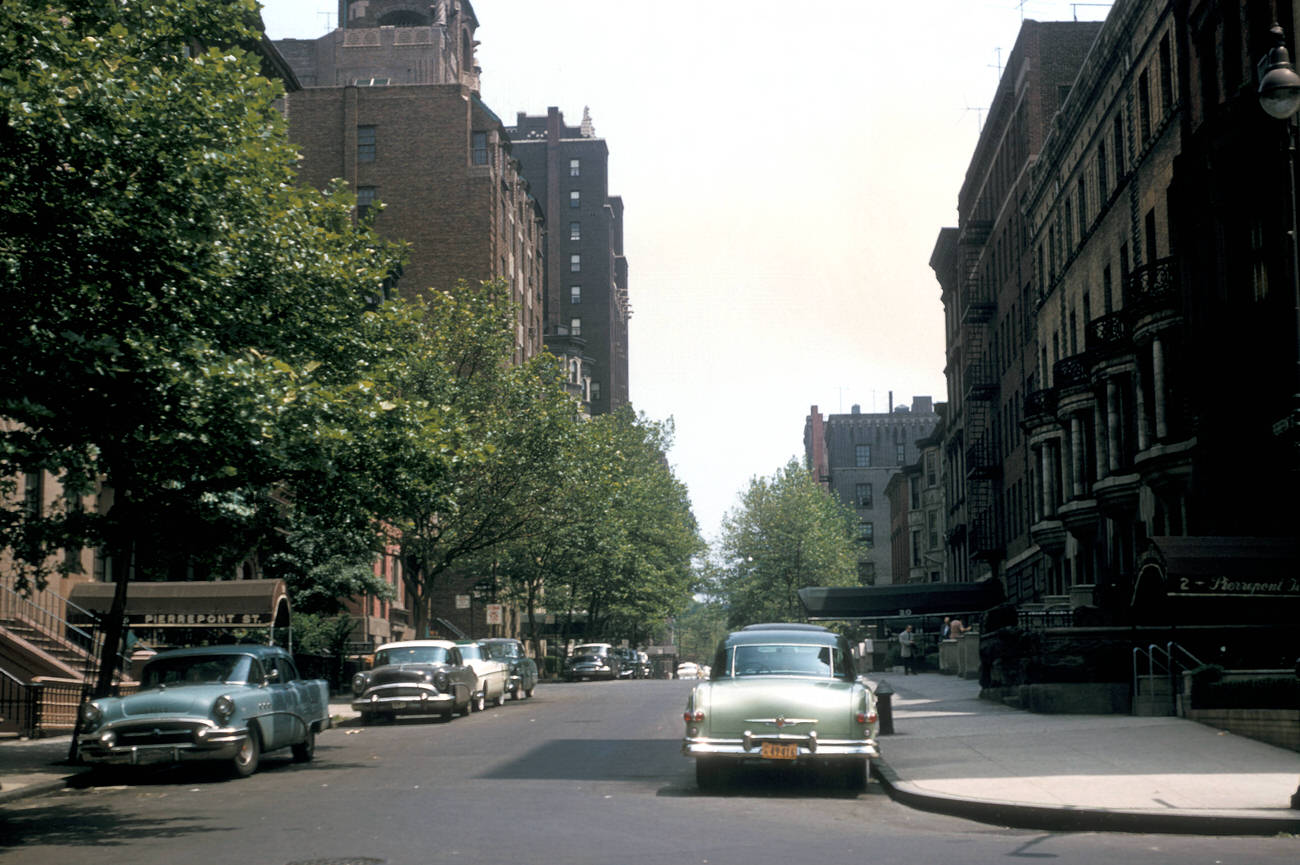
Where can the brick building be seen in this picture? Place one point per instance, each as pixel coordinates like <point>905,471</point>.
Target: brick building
<point>390,104</point>
<point>855,456</point>
<point>585,282</point>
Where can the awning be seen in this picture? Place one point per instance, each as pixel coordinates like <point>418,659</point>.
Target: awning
<point>1220,567</point>
<point>899,601</point>
<point>235,604</point>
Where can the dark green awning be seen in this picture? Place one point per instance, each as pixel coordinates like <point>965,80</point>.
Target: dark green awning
<point>899,601</point>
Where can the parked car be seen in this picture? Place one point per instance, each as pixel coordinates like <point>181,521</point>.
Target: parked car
<point>627,662</point>
<point>688,670</point>
<point>782,693</point>
<point>231,703</point>
<point>523,669</point>
<point>493,675</point>
<point>644,669</point>
<point>592,661</point>
<point>414,677</point>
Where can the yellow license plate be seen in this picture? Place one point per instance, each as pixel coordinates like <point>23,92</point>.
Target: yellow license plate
<point>779,751</point>
<point>399,705</point>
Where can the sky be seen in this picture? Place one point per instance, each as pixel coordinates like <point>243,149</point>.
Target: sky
<point>785,169</point>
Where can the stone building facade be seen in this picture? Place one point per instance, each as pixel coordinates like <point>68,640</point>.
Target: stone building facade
<point>855,456</point>
<point>1141,319</point>
<point>585,282</point>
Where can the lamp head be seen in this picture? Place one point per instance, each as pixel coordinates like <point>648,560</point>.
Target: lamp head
<point>1279,85</point>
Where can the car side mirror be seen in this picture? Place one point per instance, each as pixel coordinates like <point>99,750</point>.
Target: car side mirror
<point>272,677</point>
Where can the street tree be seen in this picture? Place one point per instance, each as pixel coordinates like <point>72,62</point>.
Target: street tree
<point>478,455</point>
<point>786,533</point>
<point>181,313</point>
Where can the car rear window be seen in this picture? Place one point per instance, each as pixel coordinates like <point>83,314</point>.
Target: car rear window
<point>783,659</point>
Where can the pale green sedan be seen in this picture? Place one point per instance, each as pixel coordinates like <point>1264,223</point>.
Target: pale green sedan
<point>782,693</point>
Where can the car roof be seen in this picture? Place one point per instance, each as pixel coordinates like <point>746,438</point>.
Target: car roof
<point>259,650</point>
<point>405,644</point>
<point>805,636</point>
<point>785,626</point>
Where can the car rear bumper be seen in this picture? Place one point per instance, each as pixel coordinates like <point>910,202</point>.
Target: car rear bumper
<point>750,748</point>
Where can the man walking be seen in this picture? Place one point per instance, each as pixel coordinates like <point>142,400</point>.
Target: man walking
<point>907,650</point>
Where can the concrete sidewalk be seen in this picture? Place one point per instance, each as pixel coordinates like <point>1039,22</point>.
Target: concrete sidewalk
<point>956,754</point>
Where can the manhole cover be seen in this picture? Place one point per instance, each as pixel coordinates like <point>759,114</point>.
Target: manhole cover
<point>345,860</point>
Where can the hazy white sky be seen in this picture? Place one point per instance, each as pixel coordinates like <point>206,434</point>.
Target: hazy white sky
<point>785,169</point>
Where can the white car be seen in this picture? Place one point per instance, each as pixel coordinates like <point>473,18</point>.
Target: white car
<point>493,675</point>
<point>688,670</point>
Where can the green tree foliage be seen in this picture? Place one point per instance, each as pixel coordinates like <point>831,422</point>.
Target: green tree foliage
<point>786,533</point>
<point>182,317</point>
<point>699,629</point>
<point>477,452</point>
<point>617,546</point>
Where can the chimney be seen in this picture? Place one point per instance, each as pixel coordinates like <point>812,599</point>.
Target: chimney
<point>891,402</point>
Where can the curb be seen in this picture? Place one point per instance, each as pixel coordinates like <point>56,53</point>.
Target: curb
<point>39,789</point>
<point>1018,815</point>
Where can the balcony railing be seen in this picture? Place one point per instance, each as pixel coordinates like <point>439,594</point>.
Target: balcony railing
<point>1041,404</point>
<point>1153,286</point>
<point>1109,332</point>
<point>1071,371</point>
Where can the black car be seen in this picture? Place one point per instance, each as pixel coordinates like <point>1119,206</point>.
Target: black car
<point>523,669</point>
<point>593,661</point>
<point>416,677</point>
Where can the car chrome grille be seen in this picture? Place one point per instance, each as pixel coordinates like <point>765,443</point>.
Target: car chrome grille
<point>154,735</point>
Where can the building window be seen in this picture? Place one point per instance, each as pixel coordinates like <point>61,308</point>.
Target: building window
<point>575,231</point>
<point>575,294</point>
<point>1167,74</point>
<point>916,549</point>
<point>365,144</point>
<point>934,530</point>
<point>575,198</point>
<point>900,454</point>
<point>575,167</point>
<point>862,456</point>
<point>1118,134</point>
<point>1103,181</point>
<point>365,201</point>
<point>1144,105</point>
<point>480,148</point>
<point>862,495</point>
<point>931,470</point>
<point>595,391</point>
<point>575,262</point>
<point>34,493</point>
<point>867,573</point>
<point>867,534</point>
<point>575,326</point>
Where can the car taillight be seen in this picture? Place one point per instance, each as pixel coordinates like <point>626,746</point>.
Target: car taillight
<point>866,717</point>
<point>696,716</point>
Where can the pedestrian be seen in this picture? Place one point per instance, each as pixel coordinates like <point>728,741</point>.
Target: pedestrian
<point>956,628</point>
<point>907,650</point>
<point>946,631</point>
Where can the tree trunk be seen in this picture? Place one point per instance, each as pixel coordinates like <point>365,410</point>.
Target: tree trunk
<point>121,552</point>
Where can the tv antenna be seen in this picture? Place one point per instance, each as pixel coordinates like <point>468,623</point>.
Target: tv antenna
<point>329,20</point>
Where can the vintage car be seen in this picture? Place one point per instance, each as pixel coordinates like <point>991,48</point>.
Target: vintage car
<point>493,675</point>
<point>688,670</point>
<point>414,677</point>
<point>523,669</point>
<point>627,663</point>
<point>230,703</point>
<point>592,661</point>
<point>644,668</point>
<point>782,693</point>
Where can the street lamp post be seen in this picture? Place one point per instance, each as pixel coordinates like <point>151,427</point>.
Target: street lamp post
<point>1279,96</point>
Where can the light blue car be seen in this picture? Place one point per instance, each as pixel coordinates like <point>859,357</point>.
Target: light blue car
<point>218,703</point>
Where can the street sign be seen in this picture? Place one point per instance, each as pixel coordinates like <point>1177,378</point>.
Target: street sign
<point>494,616</point>
<point>462,602</point>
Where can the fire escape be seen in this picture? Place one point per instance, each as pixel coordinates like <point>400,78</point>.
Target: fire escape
<point>980,389</point>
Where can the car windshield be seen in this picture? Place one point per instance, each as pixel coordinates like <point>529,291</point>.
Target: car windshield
<point>196,670</point>
<point>411,655</point>
<point>785,659</point>
<point>589,650</point>
<point>471,652</point>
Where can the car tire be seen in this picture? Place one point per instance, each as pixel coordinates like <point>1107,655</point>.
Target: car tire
<point>306,749</point>
<point>711,774</point>
<point>446,716</point>
<point>249,756</point>
<point>529,693</point>
<point>478,702</point>
<point>501,698</point>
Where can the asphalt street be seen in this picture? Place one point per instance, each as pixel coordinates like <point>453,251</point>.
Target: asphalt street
<point>582,773</point>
